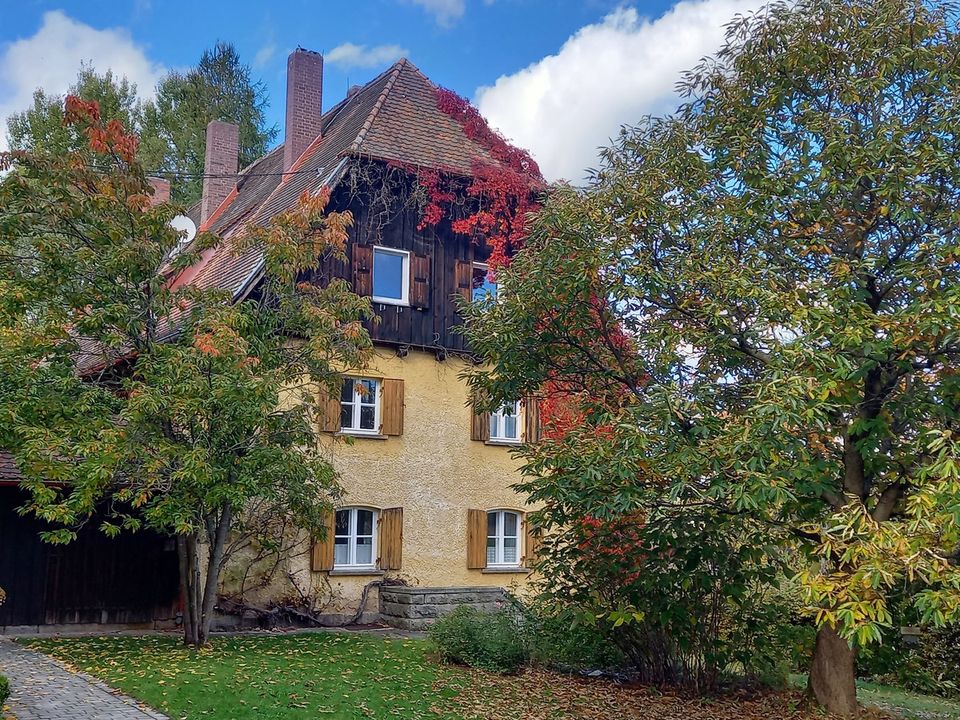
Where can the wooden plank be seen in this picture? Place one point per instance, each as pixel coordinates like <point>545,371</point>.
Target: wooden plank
<point>476,539</point>
<point>391,538</point>
<point>328,409</point>
<point>391,407</point>
<point>321,556</point>
<point>531,547</point>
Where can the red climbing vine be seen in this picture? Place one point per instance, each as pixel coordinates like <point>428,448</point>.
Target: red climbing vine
<point>503,185</point>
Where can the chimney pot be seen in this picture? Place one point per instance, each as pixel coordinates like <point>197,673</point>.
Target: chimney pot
<point>304,103</point>
<point>161,190</point>
<point>219,166</point>
<point>354,89</point>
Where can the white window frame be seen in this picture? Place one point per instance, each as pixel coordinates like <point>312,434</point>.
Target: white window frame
<point>355,428</point>
<point>485,268</point>
<point>351,536</point>
<point>499,538</point>
<point>498,424</point>
<point>404,272</point>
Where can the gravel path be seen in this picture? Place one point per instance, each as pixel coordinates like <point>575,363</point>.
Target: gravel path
<point>42,689</point>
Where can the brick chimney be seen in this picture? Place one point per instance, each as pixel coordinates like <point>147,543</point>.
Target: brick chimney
<point>220,160</point>
<point>161,190</point>
<point>304,103</point>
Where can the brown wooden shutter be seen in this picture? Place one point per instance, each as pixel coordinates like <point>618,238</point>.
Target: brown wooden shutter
<point>321,555</point>
<point>531,419</point>
<point>464,278</point>
<point>329,410</point>
<point>391,538</point>
<point>531,542</point>
<point>391,407</point>
<point>480,426</point>
<point>362,258</point>
<point>420,281</point>
<point>476,539</point>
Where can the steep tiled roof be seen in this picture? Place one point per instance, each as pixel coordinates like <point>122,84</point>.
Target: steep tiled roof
<point>8,468</point>
<point>394,117</point>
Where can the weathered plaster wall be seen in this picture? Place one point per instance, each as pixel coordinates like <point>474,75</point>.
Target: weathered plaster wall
<point>434,471</point>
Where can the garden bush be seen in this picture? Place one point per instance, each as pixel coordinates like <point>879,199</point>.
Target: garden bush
<point>931,667</point>
<point>4,689</point>
<point>487,640</point>
<point>561,640</point>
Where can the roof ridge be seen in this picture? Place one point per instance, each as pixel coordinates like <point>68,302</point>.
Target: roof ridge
<point>375,110</point>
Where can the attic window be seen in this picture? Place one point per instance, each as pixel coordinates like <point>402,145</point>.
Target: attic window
<point>391,276</point>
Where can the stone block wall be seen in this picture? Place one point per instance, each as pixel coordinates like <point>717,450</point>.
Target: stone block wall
<point>415,608</point>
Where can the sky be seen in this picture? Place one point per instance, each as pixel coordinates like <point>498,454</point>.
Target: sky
<point>558,77</point>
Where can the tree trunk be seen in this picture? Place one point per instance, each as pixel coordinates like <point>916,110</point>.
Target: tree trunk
<point>214,567</point>
<point>832,683</point>
<point>189,577</point>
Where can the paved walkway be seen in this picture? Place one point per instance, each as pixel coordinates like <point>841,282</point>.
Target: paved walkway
<point>44,690</point>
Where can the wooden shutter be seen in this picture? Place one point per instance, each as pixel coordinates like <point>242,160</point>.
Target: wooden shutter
<point>531,419</point>
<point>391,538</point>
<point>480,426</point>
<point>476,539</point>
<point>391,407</point>
<point>362,258</point>
<point>531,542</point>
<point>420,281</point>
<point>321,555</point>
<point>329,411</point>
<point>464,278</point>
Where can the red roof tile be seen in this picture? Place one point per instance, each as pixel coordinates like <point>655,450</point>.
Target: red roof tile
<point>394,117</point>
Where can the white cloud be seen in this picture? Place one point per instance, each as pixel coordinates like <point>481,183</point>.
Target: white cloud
<point>445,12</point>
<point>51,58</point>
<point>349,55</point>
<point>264,55</point>
<point>565,106</point>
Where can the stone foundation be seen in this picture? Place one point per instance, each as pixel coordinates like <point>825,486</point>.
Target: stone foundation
<point>416,608</point>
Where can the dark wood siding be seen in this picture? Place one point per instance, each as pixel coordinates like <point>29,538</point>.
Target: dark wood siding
<point>431,326</point>
<point>132,578</point>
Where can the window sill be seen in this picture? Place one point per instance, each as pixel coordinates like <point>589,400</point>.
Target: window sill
<point>503,443</point>
<point>385,301</point>
<point>354,571</point>
<point>361,435</point>
<point>505,570</point>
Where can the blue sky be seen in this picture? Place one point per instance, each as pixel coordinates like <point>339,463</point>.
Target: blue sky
<point>557,76</point>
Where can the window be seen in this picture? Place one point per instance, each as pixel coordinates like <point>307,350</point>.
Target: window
<point>505,423</point>
<point>353,538</point>
<point>360,405</point>
<point>503,538</point>
<point>391,276</point>
<point>483,286</point>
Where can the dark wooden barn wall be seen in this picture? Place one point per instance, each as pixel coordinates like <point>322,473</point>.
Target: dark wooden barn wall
<point>132,578</point>
<point>430,327</point>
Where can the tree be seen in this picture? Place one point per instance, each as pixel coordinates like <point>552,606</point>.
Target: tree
<point>41,128</point>
<point>218,88</point>
<point>151,402</point>
<point>755,302</point>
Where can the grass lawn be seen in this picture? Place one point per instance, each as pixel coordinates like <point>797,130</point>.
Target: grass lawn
<point>349,675</point>
<point>910,705</point>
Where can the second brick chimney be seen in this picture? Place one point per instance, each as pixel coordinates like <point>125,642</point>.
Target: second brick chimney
<point>219,166</point>
<point>304,103</point>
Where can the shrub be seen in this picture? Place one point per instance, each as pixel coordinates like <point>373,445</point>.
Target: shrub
<point>487,640</point>
<point>561,640</point>
<point>932,667</point>
<point>4,689</point>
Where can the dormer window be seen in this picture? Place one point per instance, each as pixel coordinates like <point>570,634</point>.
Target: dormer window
<point>483,286</point>
<point>391,276</point>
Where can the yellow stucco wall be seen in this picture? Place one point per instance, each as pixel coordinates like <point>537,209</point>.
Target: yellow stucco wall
<point>434,471</point>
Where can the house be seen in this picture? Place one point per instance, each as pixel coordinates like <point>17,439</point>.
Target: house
<point>428,519</point>
<point>427,482</point>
